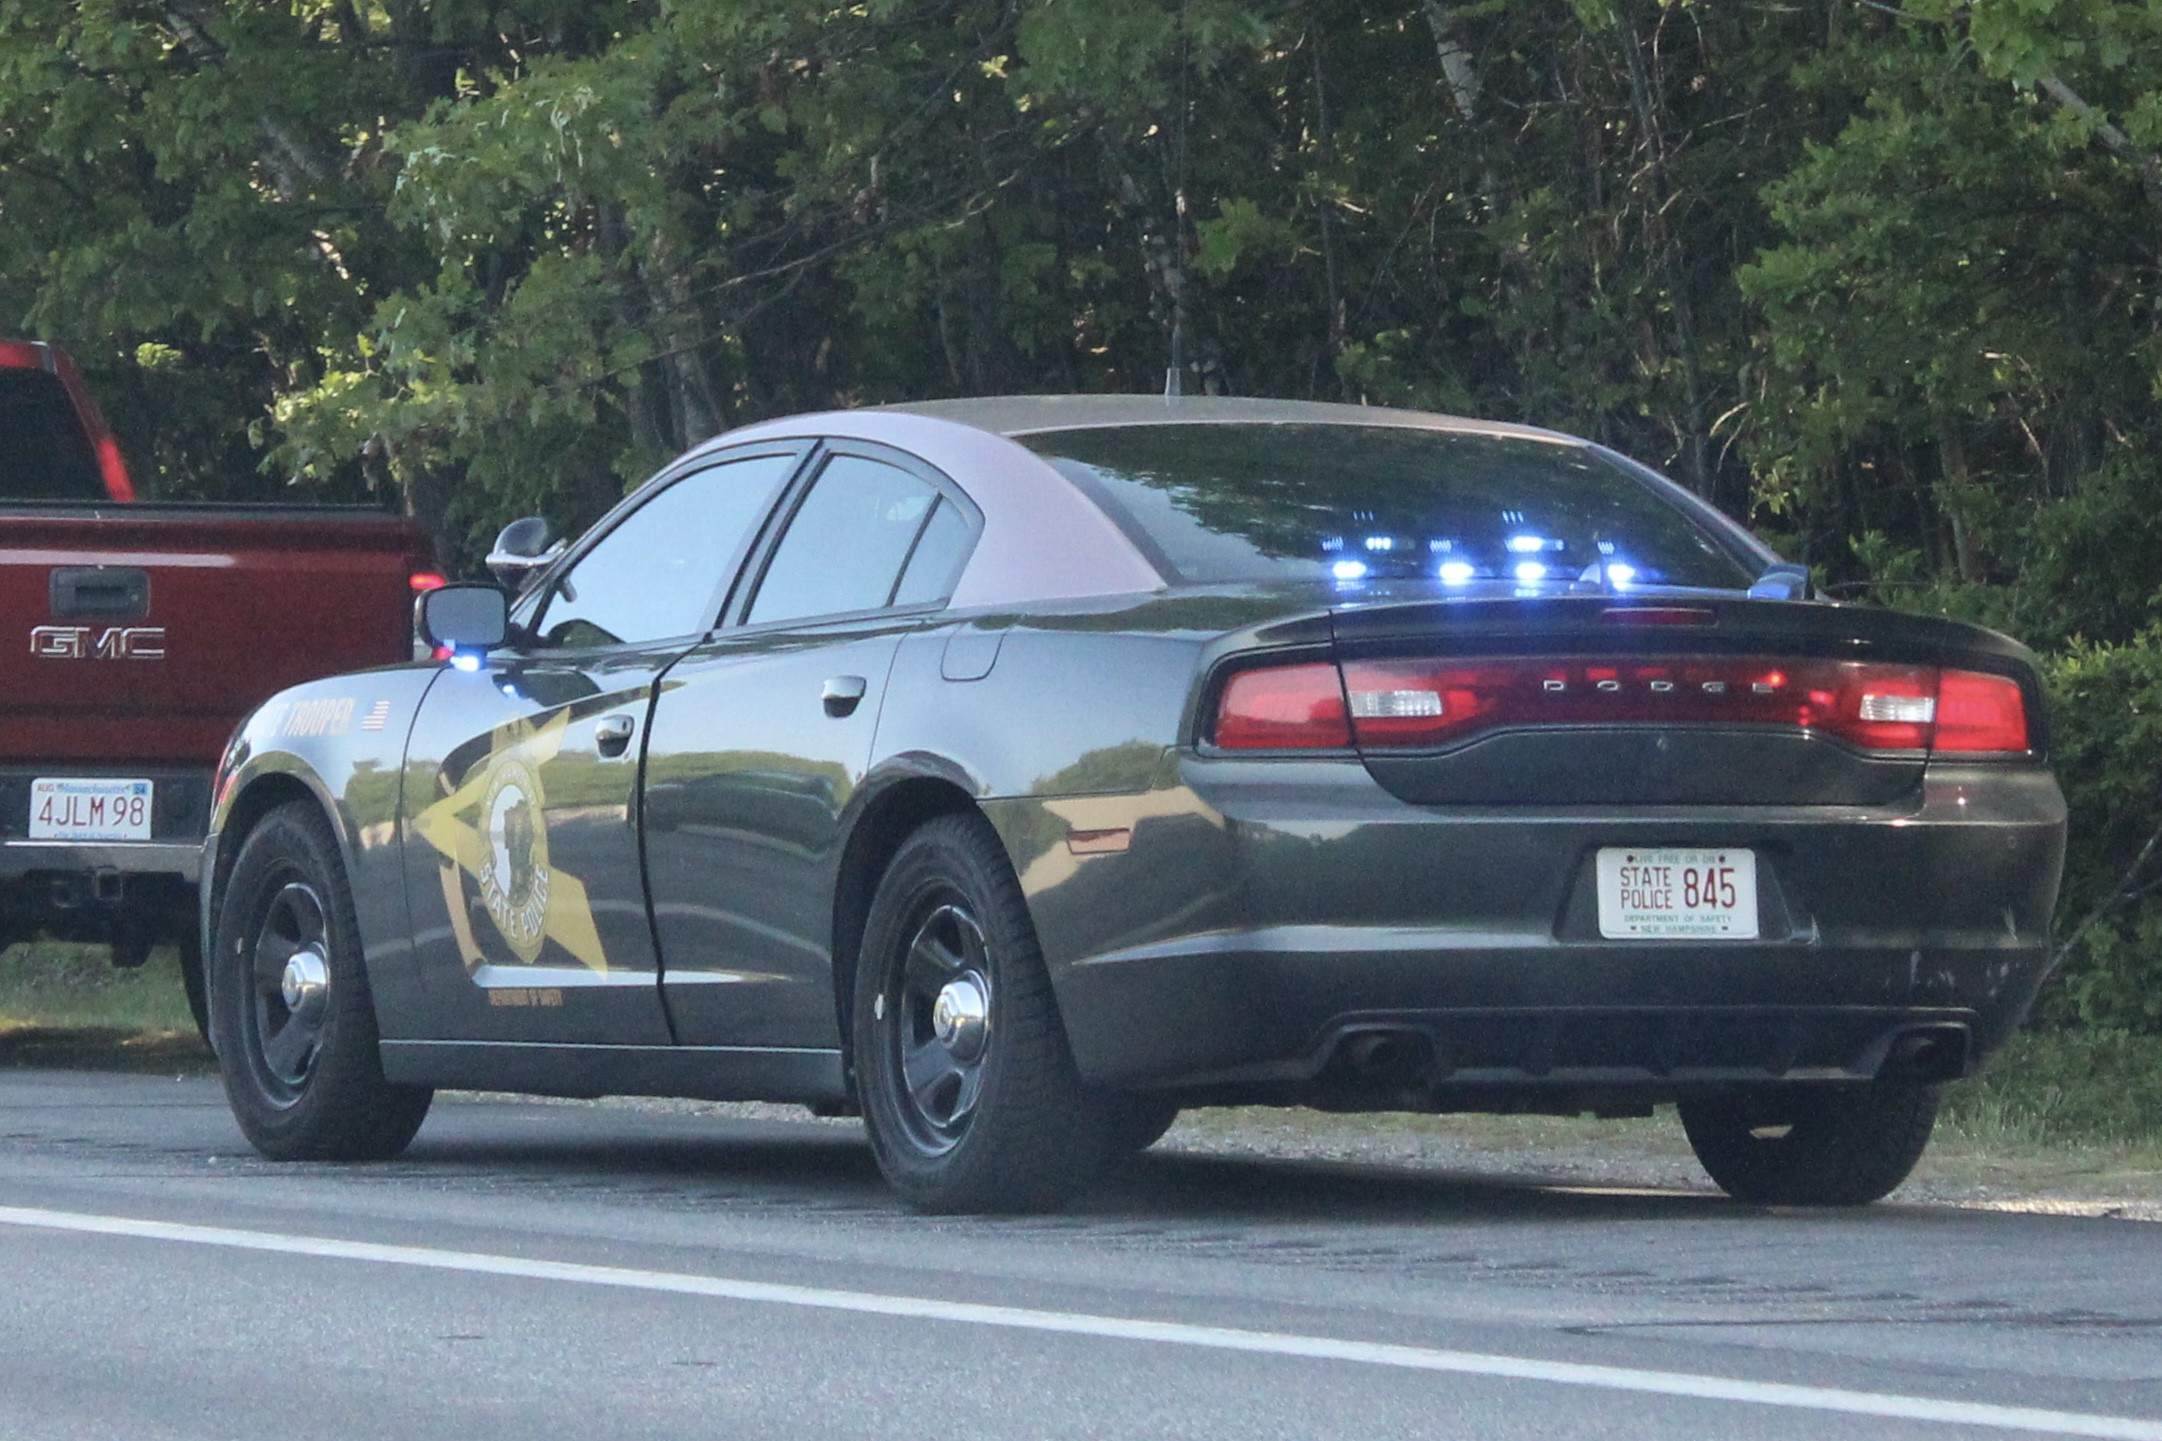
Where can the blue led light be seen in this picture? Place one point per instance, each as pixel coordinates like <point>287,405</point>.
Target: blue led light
<point>1619,573</point>
<point>1457,572</point>
<point>1380,543</point>
<point>1527,544</point>
<point>1349,570</point>
<point>464,660</point>
<point>1530,571</point>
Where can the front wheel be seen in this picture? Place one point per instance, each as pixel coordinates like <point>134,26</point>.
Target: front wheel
<point>291,1017</point>
<point>1811,1145</point>
<point>969,1092</point>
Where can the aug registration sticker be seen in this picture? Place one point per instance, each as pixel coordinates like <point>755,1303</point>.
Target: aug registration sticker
<point>1677,895</point>
<point>64,808</point>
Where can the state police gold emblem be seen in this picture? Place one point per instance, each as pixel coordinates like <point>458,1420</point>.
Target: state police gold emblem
<point>491,831</point>
<point>514,882</point>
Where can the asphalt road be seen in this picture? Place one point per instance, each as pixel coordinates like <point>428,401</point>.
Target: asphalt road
<point>533,1270</point>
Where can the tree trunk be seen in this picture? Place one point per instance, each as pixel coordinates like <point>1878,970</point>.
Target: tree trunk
<point>1696,440</point>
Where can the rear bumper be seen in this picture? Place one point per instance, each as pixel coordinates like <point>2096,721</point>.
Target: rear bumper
<point>1269,916</point>
<point>1278,1011</point>
<point>180,814</point>
<point>183,859</point>
<point>130,893</point>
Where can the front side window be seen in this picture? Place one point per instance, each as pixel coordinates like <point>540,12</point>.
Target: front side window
<point>659,572</point>
<point>850,541</point>
<point>1233,503</point>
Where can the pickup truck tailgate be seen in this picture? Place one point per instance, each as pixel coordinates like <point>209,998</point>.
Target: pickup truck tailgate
<point>143,632</point>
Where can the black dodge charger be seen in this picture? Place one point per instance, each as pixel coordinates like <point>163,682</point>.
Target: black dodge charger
<point>1022,771</point>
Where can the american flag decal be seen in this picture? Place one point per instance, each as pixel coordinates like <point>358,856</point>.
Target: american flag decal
<point>376,716</point>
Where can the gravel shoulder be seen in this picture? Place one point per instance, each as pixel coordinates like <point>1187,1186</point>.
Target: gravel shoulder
<point>1963,1169</point>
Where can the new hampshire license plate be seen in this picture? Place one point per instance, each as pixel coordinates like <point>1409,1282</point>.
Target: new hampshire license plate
<point>65,808</point>
<point>1670,894</point>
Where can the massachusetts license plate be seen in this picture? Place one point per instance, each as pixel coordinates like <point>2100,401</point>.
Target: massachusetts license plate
<point>64,808</point>
<point>1706,895</point>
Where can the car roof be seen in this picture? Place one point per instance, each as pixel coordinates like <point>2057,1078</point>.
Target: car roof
<point>1014,415</point>
<point>1042,538</point>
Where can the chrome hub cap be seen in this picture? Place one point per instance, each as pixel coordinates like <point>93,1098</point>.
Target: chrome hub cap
<point>961,1017</point>
<point>305,983</point>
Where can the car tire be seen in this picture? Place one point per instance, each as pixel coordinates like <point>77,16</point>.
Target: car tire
<point>1811,1146</point>
<point>969,1092</point>
<point>1135,1121</point>
<point>291,1016</point>
<point>191,984</point>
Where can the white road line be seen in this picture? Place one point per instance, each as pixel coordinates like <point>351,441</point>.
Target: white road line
<point>1165,1333</point>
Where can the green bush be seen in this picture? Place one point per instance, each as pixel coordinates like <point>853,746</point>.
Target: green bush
<point>2106,714</point>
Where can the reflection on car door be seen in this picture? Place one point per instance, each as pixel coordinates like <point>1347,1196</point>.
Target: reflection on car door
<point>761,736</point>
<point>522,849</point>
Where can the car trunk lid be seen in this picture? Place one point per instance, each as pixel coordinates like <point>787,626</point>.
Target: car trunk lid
<point>1650,700</point>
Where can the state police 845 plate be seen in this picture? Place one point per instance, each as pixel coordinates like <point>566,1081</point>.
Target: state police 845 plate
<point>1670,894</point>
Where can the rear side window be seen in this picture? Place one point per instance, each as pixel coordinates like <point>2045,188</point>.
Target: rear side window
<point>44,454</point>
<point>1215,504</point>
<point>849,540</point>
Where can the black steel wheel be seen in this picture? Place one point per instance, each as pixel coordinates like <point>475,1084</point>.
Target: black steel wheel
<point>291,1017</point>
<point>1811,1145</point>
<point>969,1092</point>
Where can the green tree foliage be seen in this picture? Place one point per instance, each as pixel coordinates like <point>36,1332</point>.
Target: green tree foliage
<point>1880,278</point>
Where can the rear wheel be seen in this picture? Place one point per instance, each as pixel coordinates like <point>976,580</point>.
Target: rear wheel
<point>969,1092</point>
<point>1136,1121</point>
<point>1812,1146</point>
<point>291,1017</point>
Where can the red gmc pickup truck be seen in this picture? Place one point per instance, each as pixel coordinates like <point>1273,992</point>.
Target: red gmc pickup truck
<point>142,632</point>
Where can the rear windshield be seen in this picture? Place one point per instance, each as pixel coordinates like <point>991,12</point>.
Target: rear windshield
<point>1214,504</point>
<point>43,452</point>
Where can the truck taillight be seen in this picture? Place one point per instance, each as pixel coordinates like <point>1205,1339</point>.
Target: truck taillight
<point>1425,704</point>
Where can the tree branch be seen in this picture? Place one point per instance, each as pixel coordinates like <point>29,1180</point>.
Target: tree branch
<point>2120,893</point>
<point>2146,162</point>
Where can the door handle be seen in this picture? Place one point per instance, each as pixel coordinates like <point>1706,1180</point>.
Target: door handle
<point>843,694</point>
<point>612,736</point>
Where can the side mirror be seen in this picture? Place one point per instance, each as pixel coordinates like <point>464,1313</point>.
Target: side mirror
<point>463,618</point>
<point>522,549</point>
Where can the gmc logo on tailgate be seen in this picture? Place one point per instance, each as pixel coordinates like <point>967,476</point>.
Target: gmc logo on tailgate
<point>82,642</point>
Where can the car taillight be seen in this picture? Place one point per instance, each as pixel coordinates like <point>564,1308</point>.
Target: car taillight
<point>1423,704</point>
<point>1291,707</point>
<point>1980,714</point>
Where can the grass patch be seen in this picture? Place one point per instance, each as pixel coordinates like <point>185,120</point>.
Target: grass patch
<point>2064,1088</point>
<point>64,1004</point>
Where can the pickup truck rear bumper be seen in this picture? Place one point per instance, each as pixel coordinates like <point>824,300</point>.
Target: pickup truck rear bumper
<point>132,894</point>
<point>176,858</point>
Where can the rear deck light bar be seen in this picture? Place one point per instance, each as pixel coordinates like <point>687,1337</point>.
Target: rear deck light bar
<point>1422,704</point>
